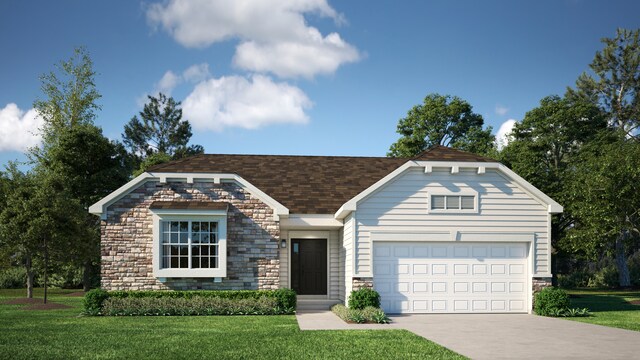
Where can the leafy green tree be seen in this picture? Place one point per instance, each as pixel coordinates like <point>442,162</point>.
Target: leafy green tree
<point>159,130</point>
<point>441,120</point>
<point>37,221</point>
<point>603,198</point>
<point>86,164</point>
<point>92,167</point>
<point>544,146</point>
<point>70,99</point>
<point>14,220</point>
<point>615,82</point>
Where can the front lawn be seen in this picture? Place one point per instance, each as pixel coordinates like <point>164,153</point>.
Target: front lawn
<point>63,334</point>
<point>609,307</point>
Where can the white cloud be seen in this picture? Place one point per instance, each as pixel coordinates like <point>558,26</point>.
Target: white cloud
<point>249,103</point>
<point>167,83</point>
<point>502,136</point>
<point>196,73</point>
<point>274,36</point>
<point>501,110</point>
<point>19,128</point>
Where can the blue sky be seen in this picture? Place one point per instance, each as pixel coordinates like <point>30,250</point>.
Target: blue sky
<point>301,77</point>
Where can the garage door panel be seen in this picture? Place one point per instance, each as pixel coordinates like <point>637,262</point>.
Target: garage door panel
<point>451,278</point>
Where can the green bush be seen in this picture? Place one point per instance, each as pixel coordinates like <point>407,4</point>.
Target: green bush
<point>285,299</point>
<point>170,306</point>
<point>634,268</point>
<point>93,301</point>
<point>13,278</point>
<point>66,277</point>
<point>364,297</point>
<point>607,277</point>
<point>550,300</point>
<point>576,279</point>
<point>369,314</point>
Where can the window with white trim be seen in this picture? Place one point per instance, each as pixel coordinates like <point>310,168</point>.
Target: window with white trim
<point>453,202</point>
<point>189,244</point>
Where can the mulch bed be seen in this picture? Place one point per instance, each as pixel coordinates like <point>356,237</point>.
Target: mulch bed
<point>634,302</point>
<point>23,301</point>
<point>47,306</point>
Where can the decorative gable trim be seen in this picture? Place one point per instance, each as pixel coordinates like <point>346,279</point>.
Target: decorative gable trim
<point>100,207</point>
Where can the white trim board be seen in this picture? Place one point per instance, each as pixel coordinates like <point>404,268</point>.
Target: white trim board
<point>100,207</point>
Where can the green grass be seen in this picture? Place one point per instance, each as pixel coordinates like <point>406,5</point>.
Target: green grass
<point>64,334</point>
<point>609,307</point>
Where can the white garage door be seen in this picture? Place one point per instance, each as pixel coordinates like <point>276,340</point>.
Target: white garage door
<point>418,277</point>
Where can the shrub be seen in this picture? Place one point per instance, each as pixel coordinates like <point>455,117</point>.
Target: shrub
<point>364,297</point>
<point>551,300</point>
<point>284,299</point>
<point>369,314</point>
<point>607,277</point>
<point>66,277</point>
<point>634,268</point>
<point>574,280</point>
<point>13,278</point>
<point>93,301</point>
<point>169,306</point>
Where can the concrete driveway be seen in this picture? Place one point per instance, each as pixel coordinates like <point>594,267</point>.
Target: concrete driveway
<point>522,336</point>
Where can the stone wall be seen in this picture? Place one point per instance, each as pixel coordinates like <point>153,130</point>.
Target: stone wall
<point>362,282</point>
<point>537,285</point>
<point>127,239</point>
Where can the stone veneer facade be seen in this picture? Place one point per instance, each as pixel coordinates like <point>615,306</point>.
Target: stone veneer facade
<point>127,239</point>
<point>361,282</point>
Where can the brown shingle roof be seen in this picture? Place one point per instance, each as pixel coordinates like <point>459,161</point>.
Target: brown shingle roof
<point>308,184</point>
<point>189,205</point>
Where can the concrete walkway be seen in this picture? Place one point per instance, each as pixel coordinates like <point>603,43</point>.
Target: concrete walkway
<point>489,336</point>
<point>326,320</point>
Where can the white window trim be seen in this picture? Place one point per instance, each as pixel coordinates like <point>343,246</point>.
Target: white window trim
<point>476,202</point>
<point>219,216</point>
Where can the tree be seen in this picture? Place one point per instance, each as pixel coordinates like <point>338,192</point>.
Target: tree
<point>70,99</point>
<point>14,219</point>
<point>74,152</point>
<point>544,146</point>
<point>441,120</point>
<point>615,84</point>
<point>161,131</point>
<point>603,198</point>
<point>92,167</point>
<point>37,222</point>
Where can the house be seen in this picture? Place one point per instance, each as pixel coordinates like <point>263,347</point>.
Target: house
<point>444,232</point>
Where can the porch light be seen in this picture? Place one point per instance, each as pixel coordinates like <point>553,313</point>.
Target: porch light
<point>283,243</point>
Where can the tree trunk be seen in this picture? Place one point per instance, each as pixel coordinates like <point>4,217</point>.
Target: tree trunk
<point>46,265</point>
<point>621,260</point>
<point>30,276</point>
<point>86,276</point>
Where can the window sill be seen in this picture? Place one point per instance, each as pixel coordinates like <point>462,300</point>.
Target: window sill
<point>191,273</point>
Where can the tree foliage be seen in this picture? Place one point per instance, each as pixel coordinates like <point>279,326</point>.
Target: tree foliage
<point>70,98</point>
<point>603,196</point>
<point>160,129</point>
<point>615,82</point>
<point>441,120</point>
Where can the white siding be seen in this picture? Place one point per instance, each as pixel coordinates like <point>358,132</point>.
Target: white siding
<point>401,206</point>
<point>348,234</point>
<point>334,265</point>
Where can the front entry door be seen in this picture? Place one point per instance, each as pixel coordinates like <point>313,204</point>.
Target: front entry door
<point>309,266</point>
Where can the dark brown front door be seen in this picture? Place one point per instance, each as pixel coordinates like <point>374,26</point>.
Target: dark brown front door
<point>309,266</point>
